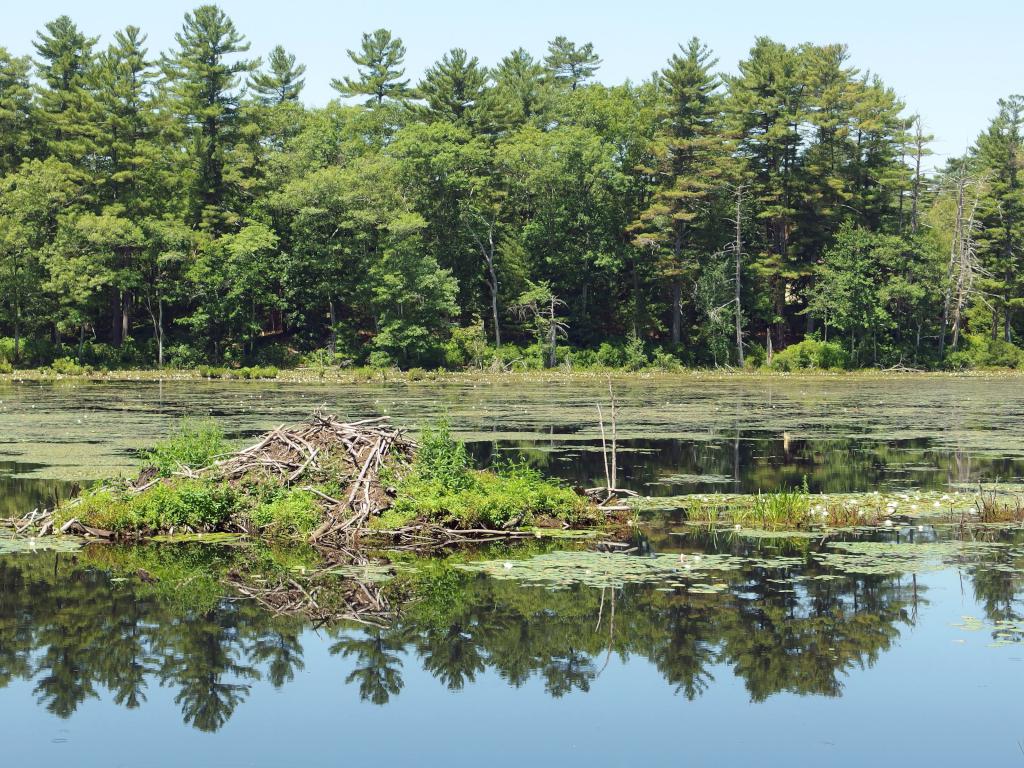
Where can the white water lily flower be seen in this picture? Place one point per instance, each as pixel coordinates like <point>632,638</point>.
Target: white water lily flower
<point>507,565</point>
<point>936,504</point>
<point>888,523</point>
<point>737,526</point>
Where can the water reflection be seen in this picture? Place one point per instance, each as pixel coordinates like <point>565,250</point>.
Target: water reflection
<point>752,462</point>
<point>76,626</point>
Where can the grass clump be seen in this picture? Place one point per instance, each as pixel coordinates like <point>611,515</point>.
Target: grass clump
<point>195,444</point>
<point>789,509</point>
<point>443,487</point>
<point>993,507</point>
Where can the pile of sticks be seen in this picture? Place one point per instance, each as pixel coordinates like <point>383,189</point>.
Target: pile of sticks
<point>353,452</point>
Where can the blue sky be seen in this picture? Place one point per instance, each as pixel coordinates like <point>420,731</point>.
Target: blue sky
<point>950,61</point>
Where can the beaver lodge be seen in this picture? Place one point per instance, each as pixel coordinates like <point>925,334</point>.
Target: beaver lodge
<point>325,481</point>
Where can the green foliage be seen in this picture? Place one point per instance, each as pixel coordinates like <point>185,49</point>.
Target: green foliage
<point>442,459</point>
<point>810,354</point>
<point>291,512</point>
<point>188,209</point>
<point>787,509</point>
<point>68,366</point>
<point>178,504</point>
<point>193,444</point>
<point>443,487</point>
<point>984,352</point>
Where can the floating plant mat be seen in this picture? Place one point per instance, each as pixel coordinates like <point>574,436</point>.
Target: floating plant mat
<point>912,503</point>
<point>886,558</point>
<point>11,544</point>
<point>687,479</point>
<point>598,569</point>
<point>1004,631</point>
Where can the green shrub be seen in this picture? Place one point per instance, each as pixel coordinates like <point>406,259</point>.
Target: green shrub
<point>194,443</point>
<point>187,503</point>
<point>610,355</point>
<point>379,359</point>
<point>290,512</point>
<point>467,347</point>
<point>980,351</point>
<point>665,361</point>
<point>6,350</point>
<point>182,356</point>
<point>810,354</point>
<point>6,367</point>
<point>67,366</point>
<point>443,487</point>
<point>442,459</point>
<point>634,354</point>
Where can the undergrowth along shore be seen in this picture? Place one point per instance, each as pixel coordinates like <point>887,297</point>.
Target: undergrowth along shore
<point>322,481</point>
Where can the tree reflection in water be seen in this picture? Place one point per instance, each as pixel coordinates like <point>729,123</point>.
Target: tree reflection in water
<point>80,625</point>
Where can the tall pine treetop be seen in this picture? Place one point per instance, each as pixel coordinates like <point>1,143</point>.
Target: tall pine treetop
<point>282,81</point>
<point>571,64</point>
<point>379,62</point>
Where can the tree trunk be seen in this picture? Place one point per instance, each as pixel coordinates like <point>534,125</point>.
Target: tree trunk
<point>493,285</point>
<point>738,256</point>
<point>116,305</point>
<point>677,313</point>
<point>334,332</point>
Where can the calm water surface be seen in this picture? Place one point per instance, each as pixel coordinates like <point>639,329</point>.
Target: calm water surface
<point>796,656</point>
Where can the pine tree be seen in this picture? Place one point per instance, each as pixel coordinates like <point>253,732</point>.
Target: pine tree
<point>202,80</point>
<point>282,81</point>
<point>520,94</point>
<point>123,78</point>
<point>16,110</point>
<point>691,162</point>
<point>379,62</point>
<point>999,156</point>
<point>570,64</point>
<point>454,87</point>
<point>65,99</point>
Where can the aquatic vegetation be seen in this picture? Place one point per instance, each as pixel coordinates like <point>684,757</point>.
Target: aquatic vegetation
<point>994,506</point>
<point>1004,632</point>
<point>891,558</point>
<point>13,545</point>
<point>600,569</point>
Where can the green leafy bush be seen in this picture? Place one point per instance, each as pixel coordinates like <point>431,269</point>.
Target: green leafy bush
<point>195,504</point>
<point>810,354</point>
<point>187,503</point>
<point>194,443</point>
<point>980,351</point>
<point>466,348</point>
<point>443,487</point>
<point>67,366</point>
<point>289,512</point>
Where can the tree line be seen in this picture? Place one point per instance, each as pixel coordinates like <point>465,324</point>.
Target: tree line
<point>186,207</point>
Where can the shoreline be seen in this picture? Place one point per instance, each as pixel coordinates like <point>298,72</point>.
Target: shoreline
<point>395,376</point>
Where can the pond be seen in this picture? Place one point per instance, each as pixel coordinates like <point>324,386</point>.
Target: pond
<point>706,648</point>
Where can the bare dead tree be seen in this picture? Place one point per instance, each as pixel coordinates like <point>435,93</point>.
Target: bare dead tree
<point>735,249</point>
<point>963,267</point>
<point>541,305</point>
<point>487,246</point>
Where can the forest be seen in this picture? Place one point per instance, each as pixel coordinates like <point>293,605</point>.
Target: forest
<point>186,208</point>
